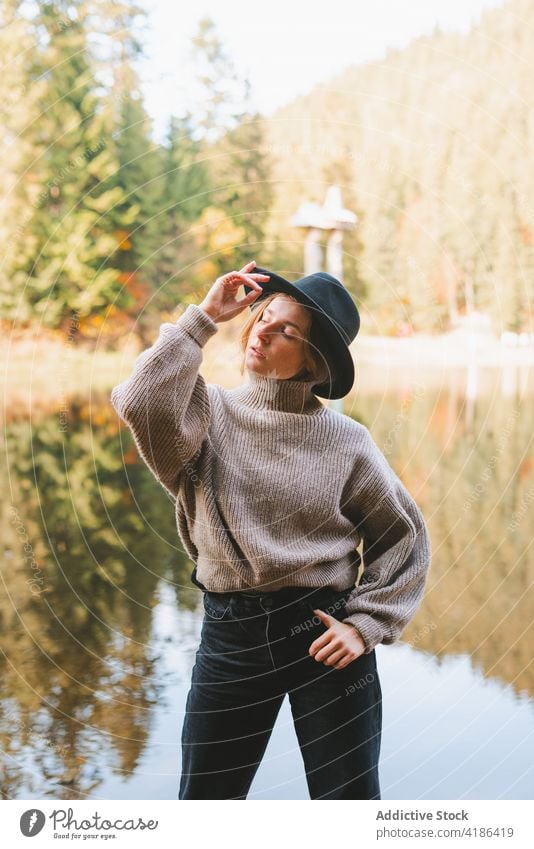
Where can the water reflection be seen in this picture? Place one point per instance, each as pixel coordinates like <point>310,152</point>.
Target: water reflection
<point>87,539</point>
<point>471,469</point>
<point>90,546</point>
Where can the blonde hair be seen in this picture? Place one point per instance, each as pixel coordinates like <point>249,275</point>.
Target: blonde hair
<point>315,362</point>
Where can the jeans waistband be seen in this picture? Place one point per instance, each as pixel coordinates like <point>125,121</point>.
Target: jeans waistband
<point>314,596</point>
<point>286,597</point>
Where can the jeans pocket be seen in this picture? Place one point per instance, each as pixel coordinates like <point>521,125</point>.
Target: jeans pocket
<point>335,605</point>
<point>215,605</point>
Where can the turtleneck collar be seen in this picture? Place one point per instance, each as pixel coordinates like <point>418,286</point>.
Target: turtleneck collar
<point>284,395</point>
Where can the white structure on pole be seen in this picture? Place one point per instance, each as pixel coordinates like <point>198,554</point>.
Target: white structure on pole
<point>333,218</point>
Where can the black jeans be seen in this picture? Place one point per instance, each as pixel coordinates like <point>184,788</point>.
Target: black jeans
<point>254,650</point>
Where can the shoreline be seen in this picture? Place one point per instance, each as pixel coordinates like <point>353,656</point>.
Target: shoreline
<point>40,375</point>
<point>456,348</point>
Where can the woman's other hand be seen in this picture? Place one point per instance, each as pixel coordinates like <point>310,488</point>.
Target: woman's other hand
<point>339,645</point>
<point>220,303</point>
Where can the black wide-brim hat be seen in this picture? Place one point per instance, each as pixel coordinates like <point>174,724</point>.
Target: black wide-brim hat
<point>335,316</point>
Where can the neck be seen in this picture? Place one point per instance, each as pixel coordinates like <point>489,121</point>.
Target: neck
<point>284,395</point>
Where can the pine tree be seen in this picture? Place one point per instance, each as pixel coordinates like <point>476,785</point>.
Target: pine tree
<point>185,191</point>
<point>65,270</point>
<point>244,182</point>
<point>186,174</point>
<point>233,138</point>
<point>137,176</point>
<point>18,110</point>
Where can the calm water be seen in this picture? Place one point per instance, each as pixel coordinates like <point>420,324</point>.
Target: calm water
<point>100,622</point>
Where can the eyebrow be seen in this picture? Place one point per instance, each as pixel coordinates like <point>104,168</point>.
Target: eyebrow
<point>268,310</point>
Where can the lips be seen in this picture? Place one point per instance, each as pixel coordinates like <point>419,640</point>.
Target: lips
<point>258,353</point>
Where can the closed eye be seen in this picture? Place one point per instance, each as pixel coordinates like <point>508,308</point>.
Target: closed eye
<point>289,335</point>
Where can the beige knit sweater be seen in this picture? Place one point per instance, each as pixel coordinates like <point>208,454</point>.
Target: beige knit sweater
<point>272,487</point>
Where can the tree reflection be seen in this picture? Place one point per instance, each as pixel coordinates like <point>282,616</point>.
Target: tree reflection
<point>88,536</point>
<point>472,474</point>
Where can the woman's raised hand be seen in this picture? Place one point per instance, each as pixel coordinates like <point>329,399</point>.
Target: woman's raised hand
<point>220,303</point>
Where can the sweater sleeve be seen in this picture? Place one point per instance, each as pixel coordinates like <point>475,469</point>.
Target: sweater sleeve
<point>396,549</point>
<point>165,401</point>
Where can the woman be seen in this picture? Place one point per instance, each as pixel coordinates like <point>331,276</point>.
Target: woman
<point>274,492</point>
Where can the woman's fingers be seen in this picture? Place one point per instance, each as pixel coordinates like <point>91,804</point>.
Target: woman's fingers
<point>250,264</point>
<point>250,297</point>
<point>344,662</point>
<point>335,657</point>
<point>224,291</point>
<point>239,275</point>
<point>321,641</point>
<point>254,277</point>
<point>329,649</point>
<point>236,279</point>
<point>247,269</point>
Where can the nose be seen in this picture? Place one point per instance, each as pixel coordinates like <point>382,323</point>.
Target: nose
<point>263,332</point>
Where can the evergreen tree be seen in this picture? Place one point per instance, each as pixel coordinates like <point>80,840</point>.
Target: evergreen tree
<point>233,139</point>
<point>137,176</point>
<point>185,191</point>
<point>186,175</point>
<point>64,269</point>
<point>217,91</point>
<point>18,110</point>
<point>244,182</point>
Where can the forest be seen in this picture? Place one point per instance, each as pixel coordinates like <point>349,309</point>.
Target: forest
<point>105,229</point>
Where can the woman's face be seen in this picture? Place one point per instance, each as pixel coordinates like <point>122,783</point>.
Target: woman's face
<point>277,340</point>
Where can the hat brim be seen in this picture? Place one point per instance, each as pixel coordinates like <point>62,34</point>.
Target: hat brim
<point>336,349</point>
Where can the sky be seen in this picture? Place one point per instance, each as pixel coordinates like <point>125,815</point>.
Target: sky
<point>285,48</point>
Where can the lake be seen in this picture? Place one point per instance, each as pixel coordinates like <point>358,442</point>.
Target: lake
<point>100,621</point>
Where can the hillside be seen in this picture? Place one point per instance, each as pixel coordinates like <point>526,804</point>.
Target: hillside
<point>431,148</point>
